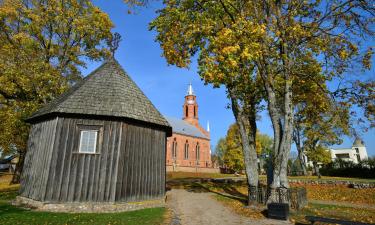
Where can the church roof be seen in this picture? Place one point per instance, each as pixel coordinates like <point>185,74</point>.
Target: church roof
<point>182,127</point>
<point>107,91</point>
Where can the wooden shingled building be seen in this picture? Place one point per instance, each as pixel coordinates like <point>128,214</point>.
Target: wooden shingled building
<point>101,141</point>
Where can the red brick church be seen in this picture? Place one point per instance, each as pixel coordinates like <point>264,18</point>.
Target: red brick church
<point>189,147</point>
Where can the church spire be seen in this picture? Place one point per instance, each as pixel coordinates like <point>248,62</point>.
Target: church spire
<point>190,107</point>
<point>190,90</point>
<point>208,126</point>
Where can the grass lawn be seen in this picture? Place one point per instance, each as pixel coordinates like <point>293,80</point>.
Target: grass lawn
<point>315,178</point>
<point>333,211</point>
<point>15,215</point>
<point>340,193</point>
<point>331,178</point>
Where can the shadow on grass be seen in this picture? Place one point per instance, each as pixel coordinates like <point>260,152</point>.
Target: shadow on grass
<point>6,209</point>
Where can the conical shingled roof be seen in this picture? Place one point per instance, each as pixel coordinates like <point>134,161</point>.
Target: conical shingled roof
<point>107,91</point>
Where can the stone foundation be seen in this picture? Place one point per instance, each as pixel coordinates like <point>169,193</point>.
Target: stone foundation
<point>88,207</point>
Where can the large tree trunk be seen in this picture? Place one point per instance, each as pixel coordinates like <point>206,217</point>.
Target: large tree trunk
<point>19,167</point>
<point>301,158</point>
<point>302,162</point>
<point>283,130</point>
<point>248,145</point>
<point>316,168</point>
<point>281,114</point>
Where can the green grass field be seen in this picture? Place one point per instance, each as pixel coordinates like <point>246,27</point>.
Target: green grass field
<point>16,215</point>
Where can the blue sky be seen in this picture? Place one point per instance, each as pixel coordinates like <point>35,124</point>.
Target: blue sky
<point>166,85</point>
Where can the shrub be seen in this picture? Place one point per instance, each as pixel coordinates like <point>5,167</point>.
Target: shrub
<point>341,168</point>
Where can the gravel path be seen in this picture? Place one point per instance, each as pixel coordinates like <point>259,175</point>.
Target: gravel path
<point>191,208</point>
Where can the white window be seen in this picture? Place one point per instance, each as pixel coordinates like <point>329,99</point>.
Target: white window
<point>87,143</point>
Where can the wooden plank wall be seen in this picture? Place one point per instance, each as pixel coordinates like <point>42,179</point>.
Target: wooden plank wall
<point>37,159</point>
<point>129,166</point>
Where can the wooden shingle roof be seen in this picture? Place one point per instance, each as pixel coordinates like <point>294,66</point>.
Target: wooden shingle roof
<point>107,91</point>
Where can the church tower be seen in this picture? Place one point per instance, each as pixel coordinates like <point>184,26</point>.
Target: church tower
<point>190,107</point>
<point>360,149</point>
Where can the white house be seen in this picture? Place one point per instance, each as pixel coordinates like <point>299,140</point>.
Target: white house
<point>354,154</point>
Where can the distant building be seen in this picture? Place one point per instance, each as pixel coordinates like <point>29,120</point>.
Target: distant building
<point>189,147</point>
<point>354,154</point>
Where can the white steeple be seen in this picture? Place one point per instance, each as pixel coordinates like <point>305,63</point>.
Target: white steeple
<point>208,126</point>
<point>190,90</point>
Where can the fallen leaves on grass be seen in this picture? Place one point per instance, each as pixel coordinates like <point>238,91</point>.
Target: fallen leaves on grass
<point>340,193</point>
<point>5,183</point>
<point>336,212</point>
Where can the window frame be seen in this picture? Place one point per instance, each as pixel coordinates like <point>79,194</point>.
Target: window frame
<point>186,152</point>
<point>99,138</point>
<point>174,149</point>
<point>88,144</point>
<point>197,153</point>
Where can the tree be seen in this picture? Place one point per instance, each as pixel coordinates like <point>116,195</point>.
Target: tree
<point>230,148</point>
<point>220,151</point>
<point>265,143</point>
<point>184,29</point>
<point>281,43</point>
<point>317,117</point>
<point>233,157</point>
<point>42,46</point>
<point>318,154</point>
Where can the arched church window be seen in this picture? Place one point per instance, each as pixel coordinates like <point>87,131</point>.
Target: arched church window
<point>174,149</point>
<point>197,153</point>
<point>186,152</point>
<point>195,114</point>
<point>186,111</point>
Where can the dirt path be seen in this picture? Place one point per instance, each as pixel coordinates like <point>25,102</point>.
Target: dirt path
<point>191,208</point>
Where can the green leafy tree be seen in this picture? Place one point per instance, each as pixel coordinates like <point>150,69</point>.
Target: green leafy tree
<point>318,154</point>
<point>230,148</point>
<point>233,157</point>
<point>220,151</point>
<point>42,46</point>
<point>265,144</point>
